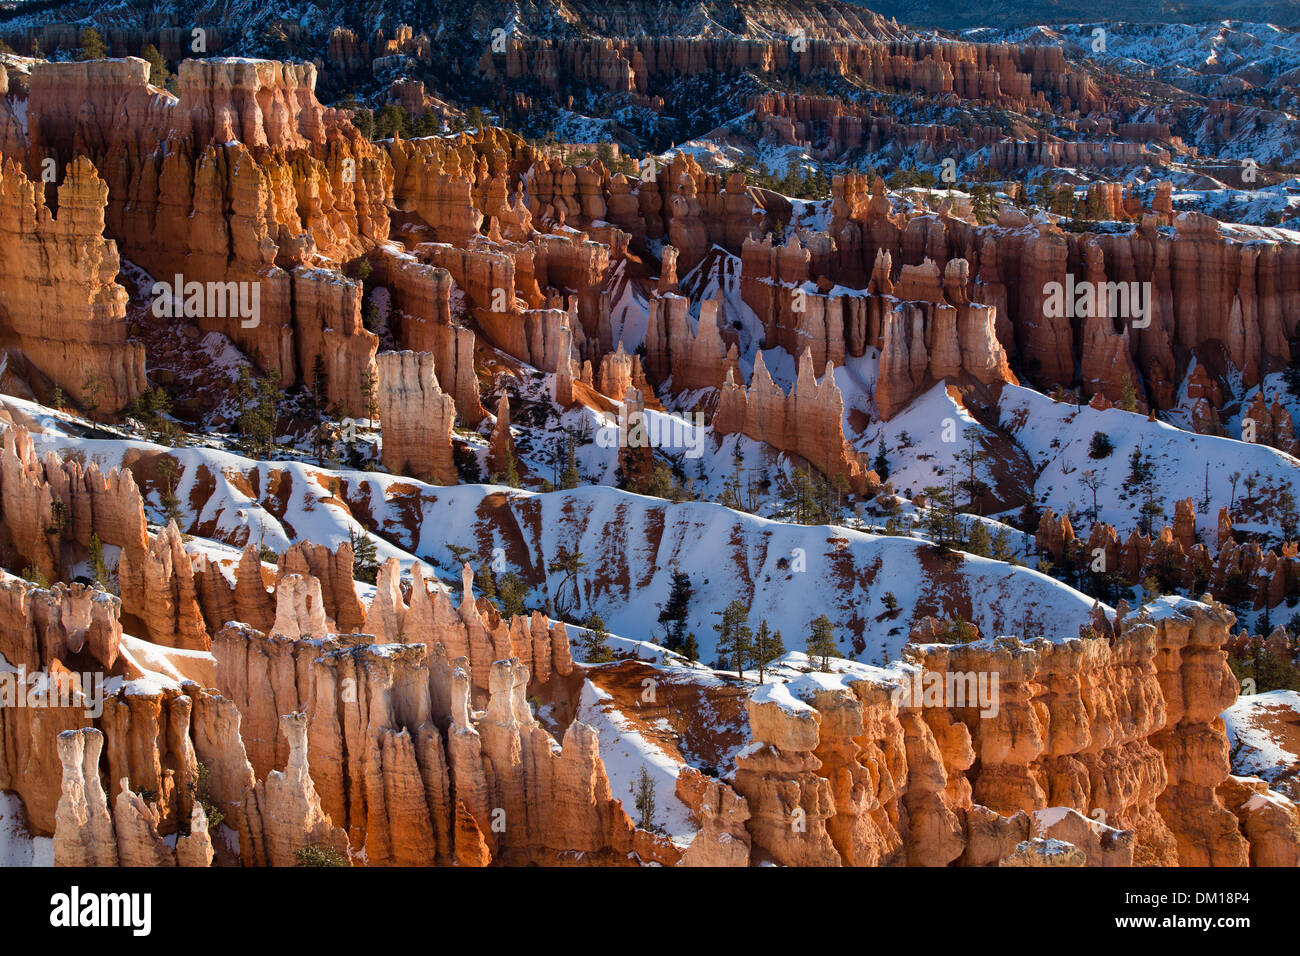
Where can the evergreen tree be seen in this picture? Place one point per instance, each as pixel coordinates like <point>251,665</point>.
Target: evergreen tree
<point>675,609</point>
<point>735,638</point>
<point>691,648</point>
<point>319,384</point>
<point>979,541</point>
<point>485,580</point>
<point>941,516</point>
<point>1101,446</point>
<point>595,641</point>
<point>158,74</point>
<point>881,463</point>
<point>512,590</point>
<point>1001,547</point>
<point>767,647</point>
<point>1288,516</point>
<point>98,567</point>
<point>570,564</point>
<point>91,45</point>
<point>92,388</point>
<point>1237,593</point>
<point>1030,514</point>
<point>1128,398</point>
<point>645,801</point>
<point>971,456</point>
<point>259,405</point>
<point>368,393</point>
<point>1139,469</point>
<point>467,466</point>
<point>1291,375</point>
<point>365,557</point>
<point>570,477</point>
<point>821,642</point>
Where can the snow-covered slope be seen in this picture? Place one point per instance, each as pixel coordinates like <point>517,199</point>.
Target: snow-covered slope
<point>1264,738</point>
<point>1057,436</point>
<point>788,574</point>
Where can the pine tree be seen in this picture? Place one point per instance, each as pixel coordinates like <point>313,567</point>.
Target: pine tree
<point>735,638</point>
<point>319,384</point>
<point>368,393</point>
<point>768,646</point>
<point>979,541</point>
<point>881,463</point>
<point>365,557</point>
<point>169,471</point>
<point>91,45</point>
<point>570,477</point>
<point>691,648</point>
<point>98,567</point>
<point>940,515</point>
<point>1128,397</point>
<point>571,563</point>
<point>675,609</point>
<point>1291,375</point>
<point>645,800</point>
<point>821,642</point>
<point>595,642</point>
<point>1001,547</point>
<point>158,73</point>
<point>486,582</point>
<point>971,456</point>
<point>1030,514</point>
<point>512,590</point>
<point>1139,469</point>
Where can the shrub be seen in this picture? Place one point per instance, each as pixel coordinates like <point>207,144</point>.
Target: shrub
<point>316,855</point>
<point>1101,446</point>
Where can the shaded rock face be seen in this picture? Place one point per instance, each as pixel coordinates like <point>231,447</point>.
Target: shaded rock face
<point>1206,290</point>
<point>699,359</point>
<point>420,319</point>
<point>924,327</point>
<point>59,299</point>
<point>405,768</point>
<point>416,418</point>
<point>1015,76</point>
<point>807,422</point>
<point>384,758</point>
<point>245,178</point>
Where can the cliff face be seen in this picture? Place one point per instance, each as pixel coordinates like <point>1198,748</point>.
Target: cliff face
<point>399,762</point>
<point>1018,77</point>
<point>699,359</point>
<point>59,299</point>
<point>421,320</point>
<point>807,422</point>
<point>924,326</point>
<point>1203,290</point>
<point>865,771</point>
<point>416,416</point>
<point>244,178</point>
